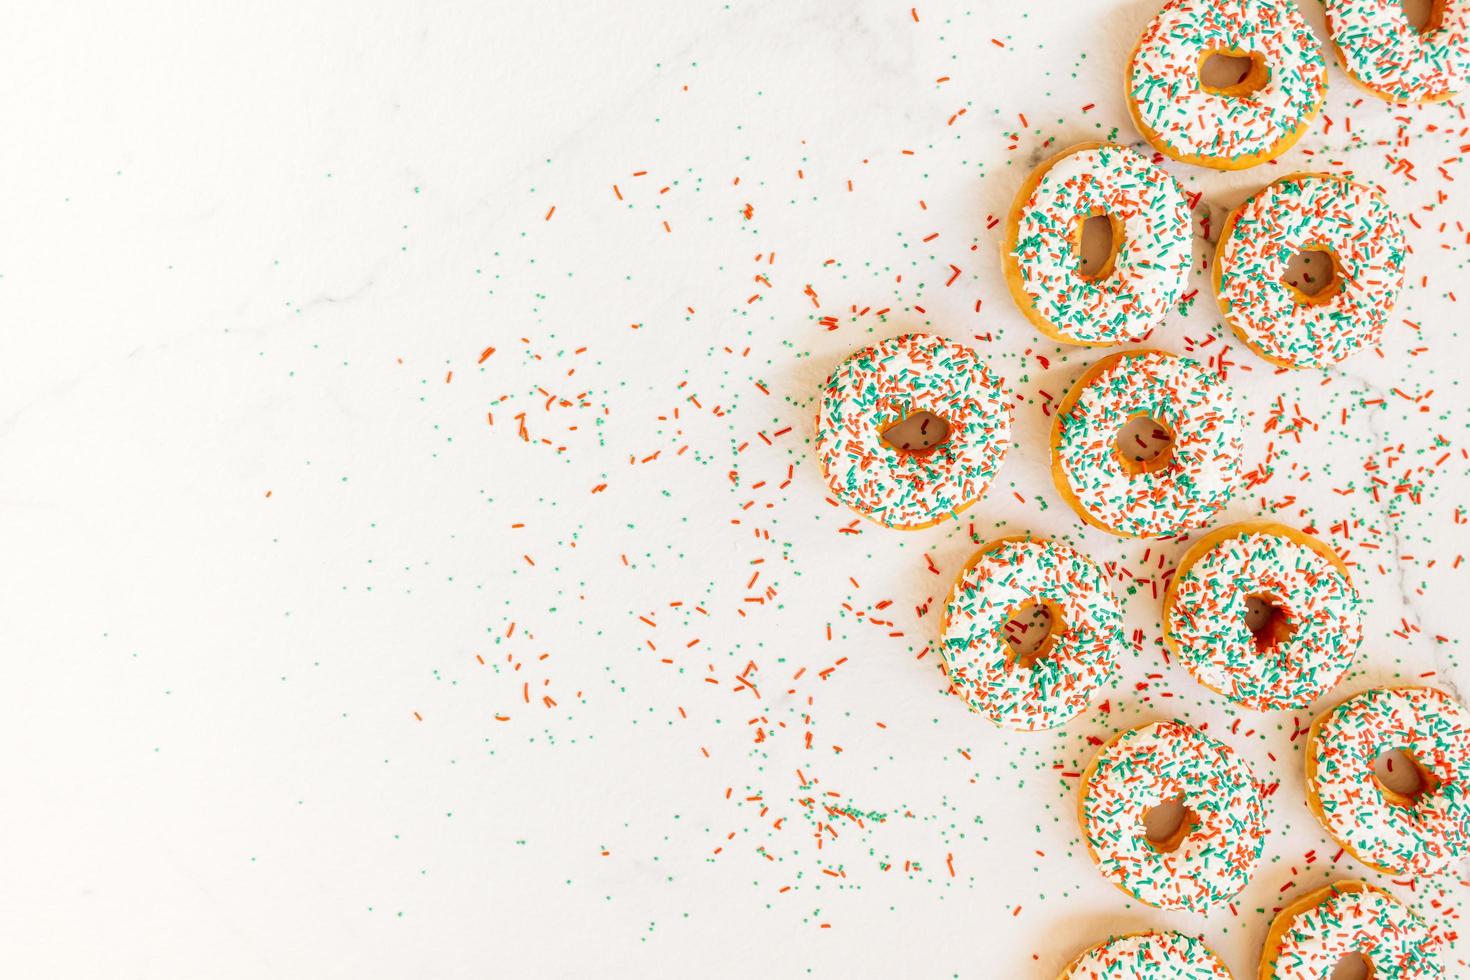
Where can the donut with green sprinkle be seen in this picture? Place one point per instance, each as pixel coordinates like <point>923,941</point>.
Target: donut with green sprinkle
<point>1347,919</point>
<point>880,386</point>
<point>1179,488</point>
<point>1148,956</point>
<point>1311,616</point>
<point>1423,832</point>
<point>1129,293</point>
<point>1388,56</point>
<point>1006,586</point>
<point>1345,310</point>
<point>1247,119</point>
<point>1207,860</point>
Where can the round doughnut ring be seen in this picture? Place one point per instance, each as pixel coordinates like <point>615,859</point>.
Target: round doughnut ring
<point>1208,859</point>
<point>1239,124</point>
<point>879,387</point>
<point>1183,486</point>
<point>1129,294</point>
<point>1004,584</point>
<point>1313,618</point>
<point>1312,935</point>
<point>1420,834</point>
<point>1361,238</point>
<point>1381,51</point>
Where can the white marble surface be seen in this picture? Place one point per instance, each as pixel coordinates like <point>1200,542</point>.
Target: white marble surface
<point>260,531</point>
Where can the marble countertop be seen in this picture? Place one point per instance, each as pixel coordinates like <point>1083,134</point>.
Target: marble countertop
<point>416,561</point>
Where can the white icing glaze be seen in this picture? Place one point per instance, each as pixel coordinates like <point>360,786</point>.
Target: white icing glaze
<point>1185,120</point>
<point>1316,210</point>
<point>1145,767</point>
<point>1207,621</point>
<point>1207,447</point>
<point>1151,261</point>
<point>1151,956</point>
<point>1058,686</point>
<point>1380,49</point>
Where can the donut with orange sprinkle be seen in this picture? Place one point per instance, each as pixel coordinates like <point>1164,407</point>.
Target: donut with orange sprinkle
<point>1248,119</point>
<point>1148,956</point>
<point>1346,223</point>
<point>1350,920</point>
<point>1395,60</point>
<point>1004,588</point>
<point>881,386</point>
<point>1184,485</point>
<point>1423,832</point>
<point>1129,293</point>
<point>1310,616</point>
<point>1208,858</point>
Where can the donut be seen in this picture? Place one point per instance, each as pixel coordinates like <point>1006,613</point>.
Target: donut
<point>880,386</point>
<point>1317,212</point>
<point>1385,829</point>
<point>1005,579</point>
<point>1312,935</point>
<point>1148,956</point>
<point>1180,488</point>
<point>1311,634</point>
<point>1142,278</point>
<point>1208,860</point>
<point>1383,53</point>
<point>1240,125</point>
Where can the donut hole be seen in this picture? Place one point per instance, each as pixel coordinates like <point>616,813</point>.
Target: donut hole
<point>917,434</point>
<point>1267,620</point>
<point>1233,73</point>
<point>1165,826</point>
<point>1098,239</point>
<point>1352,966</point>
<point>1313,274</point>
<point>1424,16</point>
<point>1144,444</point>
<point>1402,779</point>
<point>1031,631</point>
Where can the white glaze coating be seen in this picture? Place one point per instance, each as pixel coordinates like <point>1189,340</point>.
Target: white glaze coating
<point>1152,259</point>
<point>1082,657</point>
<point>1207,447</point>
<point>1145,767</point>
<point>1151,956</point>
<point>1185,120</point>
<point>1380,49</point>
<point>1207,621</point>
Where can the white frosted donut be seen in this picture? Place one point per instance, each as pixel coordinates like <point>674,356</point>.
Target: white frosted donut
<point>1223,833</point>
<point>1315,629</point>
<point>1241,125</point>
<point>1313,934</point>
<point>1180,489</point>
<point>881,385</point>
<point>1148,956</point>
<point>1310,211</point>
<point>1383,829</point>
<point>1381,51</point>
<point>1151,235</point>
<point>1078,657</point>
